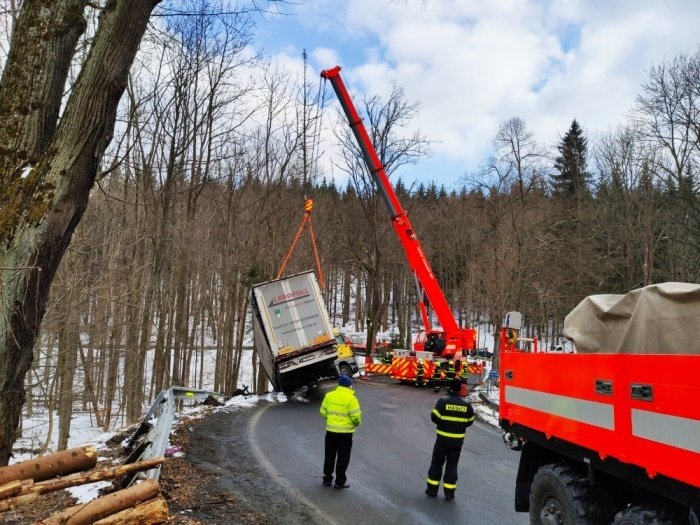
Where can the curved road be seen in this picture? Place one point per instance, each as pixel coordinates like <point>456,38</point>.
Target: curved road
<point>389,463</point>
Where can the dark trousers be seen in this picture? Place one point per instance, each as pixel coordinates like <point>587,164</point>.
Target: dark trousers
<point>338,447</point>
<point>443,455</point>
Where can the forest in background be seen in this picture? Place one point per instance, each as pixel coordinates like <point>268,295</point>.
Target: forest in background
<point>203,188</point>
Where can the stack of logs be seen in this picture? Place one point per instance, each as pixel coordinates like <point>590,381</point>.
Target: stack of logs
<point>24,483</point>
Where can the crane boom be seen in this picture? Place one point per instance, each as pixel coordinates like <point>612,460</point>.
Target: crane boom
<point>456,338</point>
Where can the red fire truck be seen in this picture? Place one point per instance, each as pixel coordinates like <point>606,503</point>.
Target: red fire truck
<point>437,345</point>
<point>611,433</point>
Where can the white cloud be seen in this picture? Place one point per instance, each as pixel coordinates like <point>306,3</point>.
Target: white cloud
<point>323,55</point>
<point>473,64</point>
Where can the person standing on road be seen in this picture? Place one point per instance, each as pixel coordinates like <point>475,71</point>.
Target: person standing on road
<point>342,413</point>
<point>452,415</point>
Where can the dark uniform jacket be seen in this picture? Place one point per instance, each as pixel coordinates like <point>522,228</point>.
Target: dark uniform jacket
<point>452,415</point>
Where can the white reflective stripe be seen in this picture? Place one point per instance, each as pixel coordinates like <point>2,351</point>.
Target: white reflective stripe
<point>676,431</point>
<point>589,412</point>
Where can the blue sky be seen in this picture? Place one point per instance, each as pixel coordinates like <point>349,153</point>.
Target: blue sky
<point>472,64</point>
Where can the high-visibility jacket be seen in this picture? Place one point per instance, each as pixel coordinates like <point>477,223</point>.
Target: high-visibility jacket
<point>452,415</point>
<point>342,411</point>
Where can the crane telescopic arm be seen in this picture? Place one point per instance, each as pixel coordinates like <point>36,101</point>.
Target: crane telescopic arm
<point>459,337</point>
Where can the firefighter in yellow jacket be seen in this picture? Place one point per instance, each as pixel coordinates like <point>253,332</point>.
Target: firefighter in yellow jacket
<point>342,413</point>
<point>452,415</point>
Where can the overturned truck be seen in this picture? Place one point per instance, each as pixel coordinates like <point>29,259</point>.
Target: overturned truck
<point>293,337</point>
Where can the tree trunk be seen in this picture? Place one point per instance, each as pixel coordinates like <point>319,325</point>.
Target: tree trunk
<point>61,161</point>
<point>114,351</point>
<point>90,394</point>
<point>233,381</point>
<point>133,371</point>
<point>68,361</point>
<point>347,290</point>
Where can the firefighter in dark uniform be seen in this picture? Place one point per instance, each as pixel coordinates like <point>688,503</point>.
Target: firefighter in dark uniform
<point>450,374</point>
<point>435,376</point>
<point>452,415</point>
<point>464,372</point>
<point>420,373</point>
<point>440,373</point>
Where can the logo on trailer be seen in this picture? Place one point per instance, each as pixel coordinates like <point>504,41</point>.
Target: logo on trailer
<point>291,296</point>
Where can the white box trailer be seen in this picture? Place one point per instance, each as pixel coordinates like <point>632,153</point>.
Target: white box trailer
<point>292,334</point>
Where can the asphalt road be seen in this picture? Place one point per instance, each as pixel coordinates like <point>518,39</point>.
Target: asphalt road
<point>389,463</point>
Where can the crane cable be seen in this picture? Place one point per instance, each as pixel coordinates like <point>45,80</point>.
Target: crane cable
<point>308,206</point>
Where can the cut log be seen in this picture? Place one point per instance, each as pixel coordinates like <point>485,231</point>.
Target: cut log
<point>149,512</point>
<point>27,487</point>
<point>50,466</point>
<point>104,506</point>
<point>13,488</point>
<point>81,478</point>
<point>11,503</point>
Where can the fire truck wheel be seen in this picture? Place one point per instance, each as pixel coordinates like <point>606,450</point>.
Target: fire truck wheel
<point>561,495</point>
<point>646,515</point>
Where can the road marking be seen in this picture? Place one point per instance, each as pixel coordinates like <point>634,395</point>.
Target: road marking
<point>272,472</point>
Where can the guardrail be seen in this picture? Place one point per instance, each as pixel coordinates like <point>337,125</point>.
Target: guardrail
<point>151,440</point>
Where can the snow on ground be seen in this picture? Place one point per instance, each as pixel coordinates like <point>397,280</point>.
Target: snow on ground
<point>88,492</point>
<point>35,432</point>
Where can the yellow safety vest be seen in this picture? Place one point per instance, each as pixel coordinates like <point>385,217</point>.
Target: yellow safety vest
<point>342,411</point>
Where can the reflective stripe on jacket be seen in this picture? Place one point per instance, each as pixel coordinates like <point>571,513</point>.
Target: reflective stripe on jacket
<point>342,411</point>
<point>452,415</point>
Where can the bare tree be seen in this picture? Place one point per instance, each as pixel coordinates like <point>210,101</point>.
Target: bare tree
<point>629,208</point>
<point>47,168</point>
<point>667,113</point>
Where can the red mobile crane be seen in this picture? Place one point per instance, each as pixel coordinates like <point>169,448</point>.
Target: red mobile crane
<point>451,341</point>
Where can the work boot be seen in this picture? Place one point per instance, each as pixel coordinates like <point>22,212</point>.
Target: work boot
<point>431,493</point>
<point>339,486</point>
<point>449,494</point>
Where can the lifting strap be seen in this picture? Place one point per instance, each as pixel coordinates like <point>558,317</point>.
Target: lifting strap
<point>308,206</point>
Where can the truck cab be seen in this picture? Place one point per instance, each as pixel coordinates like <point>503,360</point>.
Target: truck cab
<point>346,362</point>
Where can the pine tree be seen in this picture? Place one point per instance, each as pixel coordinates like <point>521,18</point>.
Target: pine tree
<point>572,178</point>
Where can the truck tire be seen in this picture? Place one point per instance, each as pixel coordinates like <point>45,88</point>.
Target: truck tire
<point>646,515</point>
<point>344,369</point>
<point>561,495</point>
